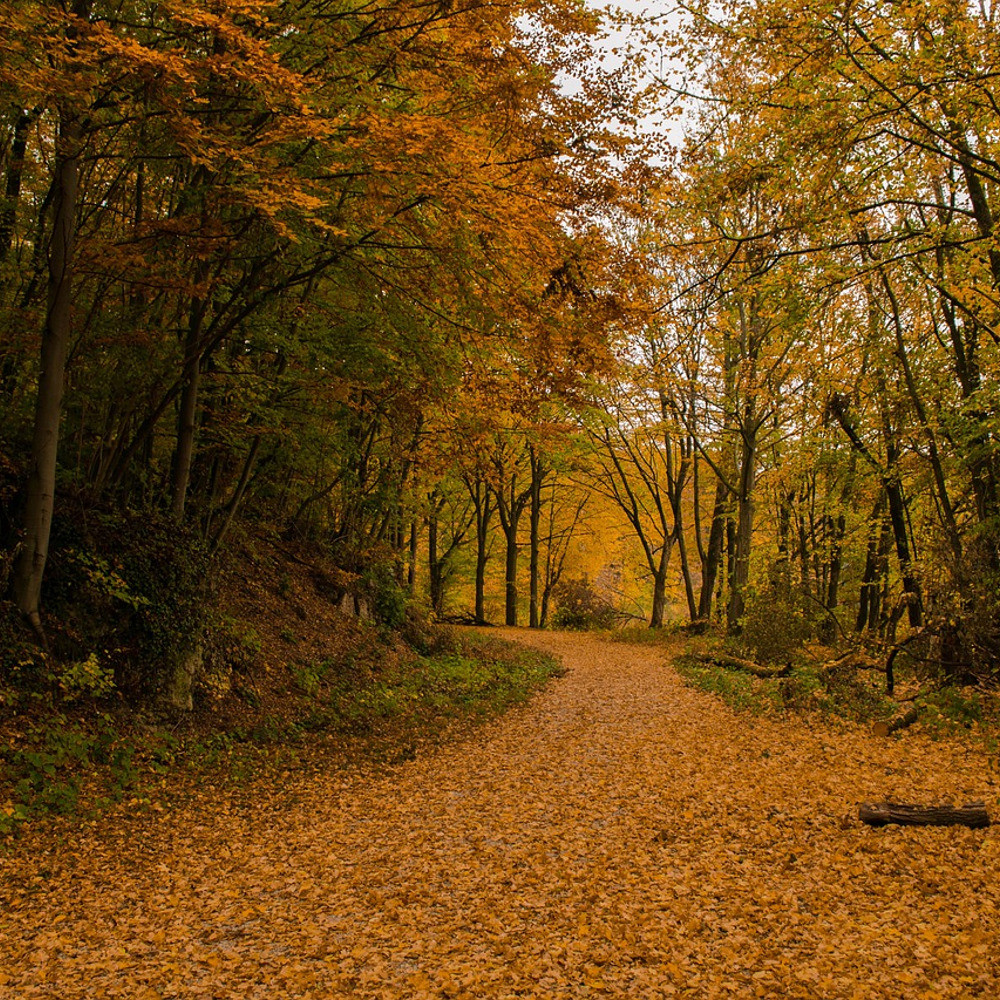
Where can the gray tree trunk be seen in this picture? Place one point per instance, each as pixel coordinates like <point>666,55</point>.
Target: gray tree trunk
<point>40,500</point>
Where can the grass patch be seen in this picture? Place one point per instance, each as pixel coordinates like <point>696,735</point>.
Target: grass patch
<point>741,692</point>
<point>471,677</point>
<point>805,689</point>
<point>376,705</point>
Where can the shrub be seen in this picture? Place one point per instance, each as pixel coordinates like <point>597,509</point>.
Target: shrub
<point>580,606</point>
<point>230,647</point>
<point>387,597</point>
<point>129,587</point>
<point>774,627</point>
<point>87,678</point>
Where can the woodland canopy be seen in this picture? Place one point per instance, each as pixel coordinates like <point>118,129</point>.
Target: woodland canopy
<point>415,285</point>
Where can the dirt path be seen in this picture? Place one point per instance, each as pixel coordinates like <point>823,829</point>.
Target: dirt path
<point>620,836</point>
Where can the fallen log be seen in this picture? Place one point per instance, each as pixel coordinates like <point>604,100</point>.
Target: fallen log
<point>900,722</point>
<point>465,618</point>
<point>973,815</point>
<point>747,666</point>
<point>851,660</point>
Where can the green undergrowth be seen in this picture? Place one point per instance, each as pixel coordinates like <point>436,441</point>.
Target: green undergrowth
<point>804,689</point>
<point>845,694</point>
<point>810,687</point>
<point>77,761</point>
<point>462,677</point>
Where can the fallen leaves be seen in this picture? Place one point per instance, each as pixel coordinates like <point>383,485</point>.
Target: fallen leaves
<point>622,835</point>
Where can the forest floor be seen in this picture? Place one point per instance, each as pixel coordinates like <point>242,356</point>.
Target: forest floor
<point>620,835</point>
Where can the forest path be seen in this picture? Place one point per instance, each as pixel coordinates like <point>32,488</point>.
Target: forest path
<point>621,835</point>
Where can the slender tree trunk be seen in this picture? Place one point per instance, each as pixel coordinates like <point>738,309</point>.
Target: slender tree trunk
<point>482,557</point>
<point>897,506</point>
<point>660,589</point>
<point>187,414</point>
<point>482,502</point>
<point>510,574</point>
<point>897,517</point>
<point>538,472</point>
<point>838,528</point>
<point>411,566</point>
<point>686,572</point>
<point>510,507</point>
<point>433,562</point>
<point>40,500</point>
<point>12,187</point>
<point>713,553</point>
<point>871,580</point>
<point>229,511</point>
<point>744,532</point>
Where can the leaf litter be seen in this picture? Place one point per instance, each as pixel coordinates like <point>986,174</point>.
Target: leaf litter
<point>621,835</point>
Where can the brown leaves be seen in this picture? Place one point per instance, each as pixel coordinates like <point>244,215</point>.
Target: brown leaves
<point>623,835</point>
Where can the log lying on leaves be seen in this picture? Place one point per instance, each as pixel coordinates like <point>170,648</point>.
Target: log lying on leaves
<point>973,815</point>
<point>465,618</point>
<point>748,666</point>
<point>900,722</point>
<point>852,660</point>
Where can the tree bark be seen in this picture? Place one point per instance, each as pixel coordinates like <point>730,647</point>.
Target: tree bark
<point>12,187</point>
<point>434,564</point>
<point>188,411</point>
<point>900,722</point>
<point>482,501</point>
<point>973,815</point>
<point>510,572</point>
<point>40,500</point>
<point>744,530</point>
<point>510,507</point>
<point>897,506</point>
<point>411,559</point>
<point>538,473</point>
<point>713,554</point>
<point>747,666</point>
<point>660,589</point>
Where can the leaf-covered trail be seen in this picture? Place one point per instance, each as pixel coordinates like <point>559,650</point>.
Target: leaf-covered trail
<point>622,835</point>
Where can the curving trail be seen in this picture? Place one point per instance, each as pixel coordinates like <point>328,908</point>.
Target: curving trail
<point>620,836</point>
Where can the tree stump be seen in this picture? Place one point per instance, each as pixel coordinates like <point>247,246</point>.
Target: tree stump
<point>973,815</point>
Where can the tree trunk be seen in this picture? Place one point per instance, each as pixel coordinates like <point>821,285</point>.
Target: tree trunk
<point>482,557</point>
<point>434,566</point>
<point>838,528</point>
<point>188,411</point>
<point>658,612</point>
<point>686,572</point>
<point>897,517</point>
<point>12,187</point>
<point>510,573</point>
<point>744,534</point>
<point>411,565</point>
<point>40,499</point>
<point>901,721</point>
<point>713,554</point>
<point>538,472</point>
<point>229,511</point>
<point>897,504</point>
<point>868,602</point>
<point>482,502</point>
<point>510,507</point>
